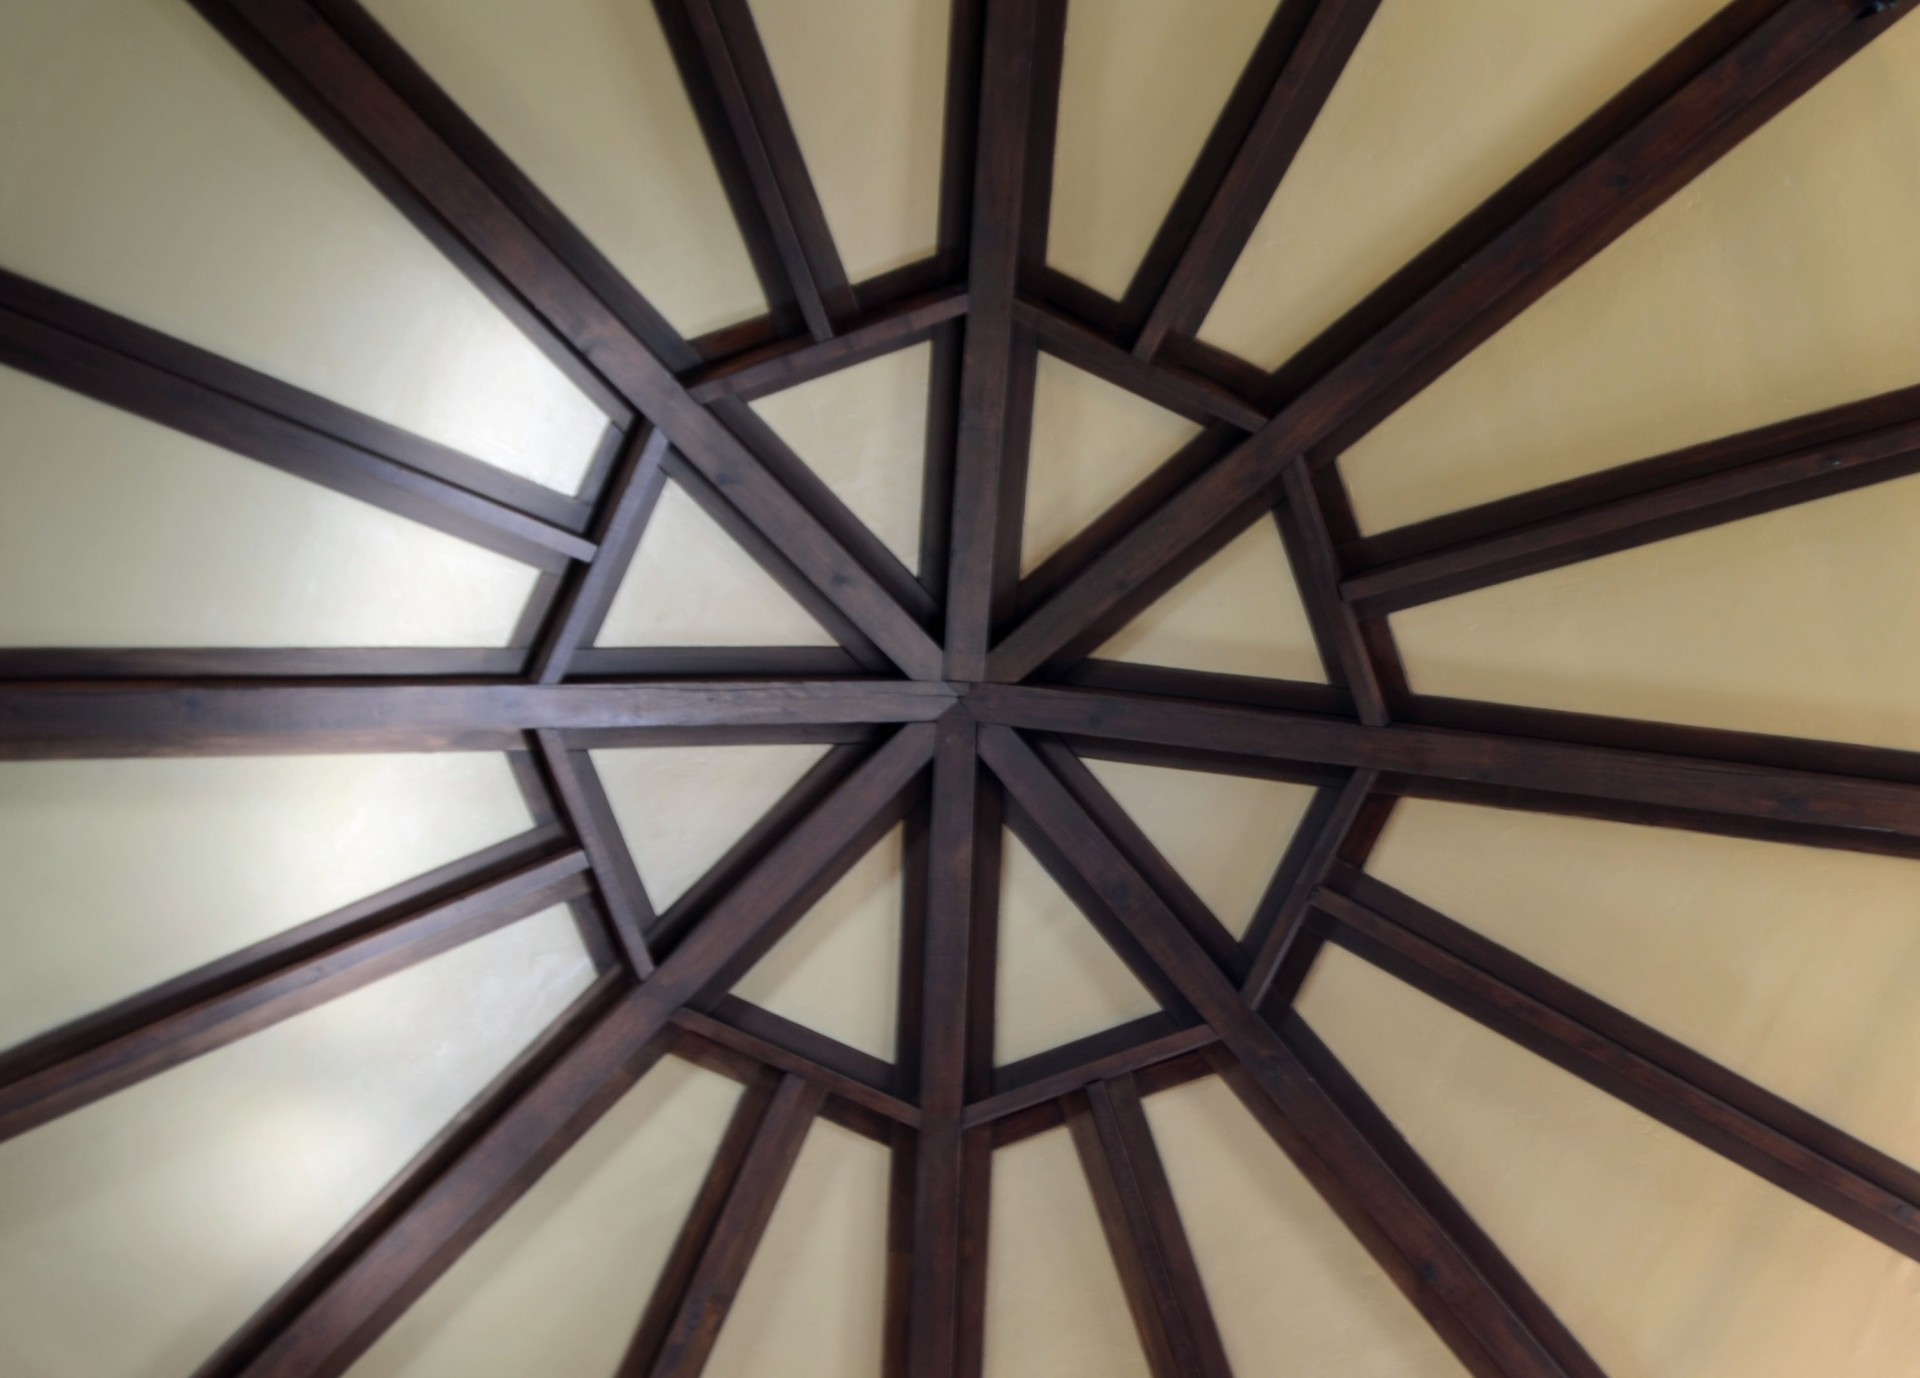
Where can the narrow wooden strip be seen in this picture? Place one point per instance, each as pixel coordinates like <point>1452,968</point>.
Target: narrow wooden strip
<point>1190,394</point>
<point>783,364</point>
<point>1321,588</point>
<point>782,1057</point>
<point>1283,909</point>
<point>54,663</point>
<point>1130,1047</point>
<point>589,816</point>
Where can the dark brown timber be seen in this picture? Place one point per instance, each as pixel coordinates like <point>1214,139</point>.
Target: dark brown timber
<point>771,368</point>
<point>589,816</point>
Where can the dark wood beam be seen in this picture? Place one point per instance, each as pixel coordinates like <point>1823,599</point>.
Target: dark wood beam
<point>1143,1229</point>
<point>1131,1047</point>
<point>1751,62</point>
<point>781,364</point>
<point>793,1049</point>
<point>1192,395</point>
<point>1317,566</point>
<point>588,815</point>
<point>1703,1100</point>
<point>1480,1324</point>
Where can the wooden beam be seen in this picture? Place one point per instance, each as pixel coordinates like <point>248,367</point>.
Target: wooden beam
<point>1058,1072</point>
<point>1776,53</point>
<point>1143,1229</point>
<point>789,1048</point>
<point>1708,1103</point>
<point>1190,394</point>
<point>589,817</point>
<point>781,364</point>
<point>1319,564</point>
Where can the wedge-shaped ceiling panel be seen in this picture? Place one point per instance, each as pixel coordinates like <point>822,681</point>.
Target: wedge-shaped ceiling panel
<point>863,430</point>
<point>865,88</point>
<point>814,1299</point>
<point>557,1287</point>
<point>1439,106</point>
<point>584,96</point>
<point>681,807</point>
<point>1801,622</point>
<point>1238,614</point>
<point>838,969</point>
<point>146,168</point>
<point>1141,86</point>
<point>1666,1260</point>
<point>1790,965</point>
<point>115,531</point>
<point>1058,980</point>
<point>690,584</point>
<point>1224,834</point>
<point>1293,1292</point>
<point>122,874</point>
<point>137,1234</point>
<point>1780,282</point>
<point>1092,442</point>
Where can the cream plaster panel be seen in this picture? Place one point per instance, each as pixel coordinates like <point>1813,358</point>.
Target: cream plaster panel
<point>681,807</point>
<point>1791,965</point>
<point>1665,1259</point>
<point>1142,84</point>
<point>1781,282</point>
<point>1058,979</point>
<point>1092,442</point>
<point>1283,1275</point>
<point>1224,834</point>
<point>838,969</point>
<point>865,87</point>
<point>1238,614</point>
<point>122,874</point>
<point>558,1285</point>
<point>118,532</point>
<point>863,430</point>
<point>691,584</point>
<point>1055,1308</point>
<point>145,168</point>
<point>584,96</point>
<point>137,1234</point>
<point>813,1303</point>
<point>1802,622</point>
<point>1439,107</point>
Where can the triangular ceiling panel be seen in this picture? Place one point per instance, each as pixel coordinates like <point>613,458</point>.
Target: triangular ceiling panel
<point>642,186</point>
<point>681,807</point>
<point>1779,283</point>
<point>812,1304</point>
<point>178,1206</point>
<point>863,430</point>
<point>148,170</point>
<point>863,85</point>
<point>1379,177</point>
<point>115,531</point>
<point>1058,979</point>
<point>1664,1258</point>
<point>124,874</point>
<point>1238,614</point>
<point>1282,1273</point>
<point>1092,442</point>
<point>1140,88</point>
<point>1224,834</point>
<point>690,584</point>
<point>838,970</point>
<point>558,1285</point>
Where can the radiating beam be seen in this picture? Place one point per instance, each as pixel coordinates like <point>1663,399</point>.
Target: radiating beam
<point>848,1073</point>
<point>1330,826</point>
<point>583,803</point>
<point>1130,1047</point>
<point>783,364</point>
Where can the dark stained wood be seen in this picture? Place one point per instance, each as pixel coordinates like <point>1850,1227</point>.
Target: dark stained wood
<point>703,662</point>
<point>1143,1229</point>
<point>1044,1077</point>
<point>1192,395</point>
<point>1326,832</point>
<point>269,662</point>
<point>589,817</point>
<point>787,363</point>
<point>766,1038</point>
<point>1318,568</point>
<point>1675,1085</point>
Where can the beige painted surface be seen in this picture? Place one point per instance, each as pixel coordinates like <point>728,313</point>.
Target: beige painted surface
<point>1294,1293</point>
<point>681,807</point>
<point>1142,84</point>
<point>690,584</point>
<point>813,1302</point>
<point>1778,283</point>
<point>558,1285</point>
<point>145,168</point>
<point>864,86</point>
<point>115,531</point>
<point>1092,442</point>
<point>138,1233</point>
<point>584,96</point>
<point>1224,834</point>
<point>863,430</point>
<point>1058,980</point>
<point>1439,107</point>
<point>122,874</point>
<point>838,969</point>
<point>1791,965</point>
<point>1055,1308</point>
<point>1666,1260</point>
<point>1238,614</point>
